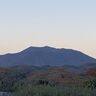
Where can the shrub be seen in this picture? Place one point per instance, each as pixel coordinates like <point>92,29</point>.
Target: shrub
<point>90,84</point>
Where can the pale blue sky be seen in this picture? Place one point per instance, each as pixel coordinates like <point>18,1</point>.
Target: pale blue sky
<point>58,23</point>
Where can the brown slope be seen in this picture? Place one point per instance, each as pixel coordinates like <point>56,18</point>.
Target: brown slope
<point>59,76</point>
<point>91,72</point>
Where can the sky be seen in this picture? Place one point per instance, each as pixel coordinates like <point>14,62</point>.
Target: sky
<point>57,23</point>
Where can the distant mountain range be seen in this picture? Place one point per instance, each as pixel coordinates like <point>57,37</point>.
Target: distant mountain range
<point>46,56</point>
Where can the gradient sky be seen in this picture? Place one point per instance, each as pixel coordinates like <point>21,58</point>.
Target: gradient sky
<point>59,23</point>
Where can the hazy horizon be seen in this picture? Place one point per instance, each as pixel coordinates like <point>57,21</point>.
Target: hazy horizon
<point>58,23</point>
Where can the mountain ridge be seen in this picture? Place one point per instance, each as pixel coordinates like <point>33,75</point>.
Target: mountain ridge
<point>40,56</point>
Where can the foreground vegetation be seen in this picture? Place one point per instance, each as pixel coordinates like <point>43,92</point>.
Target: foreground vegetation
<point>50,83</point>
<point>43,90</point>
<point>47,90</point>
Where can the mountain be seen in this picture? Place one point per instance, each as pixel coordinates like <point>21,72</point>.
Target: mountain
<point>46,56</point>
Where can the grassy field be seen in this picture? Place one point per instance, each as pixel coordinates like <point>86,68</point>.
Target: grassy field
<point>43,90</point>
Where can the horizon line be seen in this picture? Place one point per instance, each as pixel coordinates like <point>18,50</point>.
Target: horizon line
<point>59,48</point>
